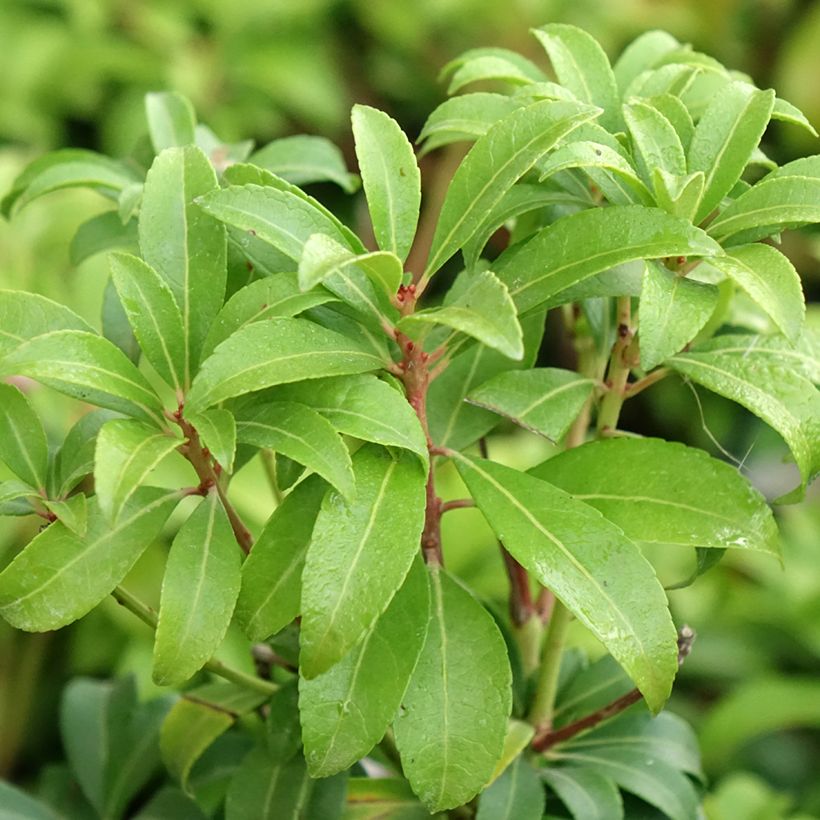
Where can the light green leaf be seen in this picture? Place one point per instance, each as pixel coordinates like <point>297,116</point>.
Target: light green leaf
<point>58,577</point>
<point>127,451</point>
<point>662,492</point>
<point>521,64</point>
<point>346,710</point>
<point>588,563</point>
<point>517,795</point>
<point>494,164</point>
<point>583,244</point>
<point>12,490</point>
<point>72,512</point>
<point>451,727</point>
<point>359,555</point>
<point>217,429</point>
<point>199,591</point>
<point>276,351</point>
<point>545,400</point>
<point>678,114</point>
<point>271,575</point>
<point>153,315</point>
<point>86,367</point>
<point>673,309</point>
<point>390,177</point>
<point>23,444</point>
<point>303,159</point>
<point>771,280</point>
<point>383,799</point>
<point>487,67</point>
<point>185,246</point>
<point>786,112</point>
<point>516,739</point>
<point>482,309</point>
<point>303,435</point>
<point>128,202</point>
<point>587,794</point>
<point>655,142</point>
<point>642,54</point>
<point>104,232</point>
<point>171,120</point>
<point>678,195</point>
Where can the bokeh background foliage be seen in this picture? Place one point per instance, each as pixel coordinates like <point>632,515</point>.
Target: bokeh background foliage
<point>74,72</point>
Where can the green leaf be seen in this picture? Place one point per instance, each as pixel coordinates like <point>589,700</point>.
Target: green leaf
<point>673,310</point>
<point>72,512</point>
<point>359,555</point>
<point>517,795</point>
<point>270,597</point>
<point>390,177</point>
<point>642,54</point>
<point>678,195</point>
<point>153,315</point>
<point>582,66</point>
<point>383,799</point>
<point>26,315</point>
<point>199,592</point>
<point>276,351</point>
<point>303,159</point>
<point>58,577</point>
<point>451,727</point>
<point>75,458</point>
<point>786,198</point>
<point>12,490</point>
<point>346,710</point>
<point>545,400</point>
<point>484,68</point>
<point>515,62</point>
<point>303,435</point>
<point>217,429</point>
<point>86,367</point>
<point>115,325</point>
<point>185,246</point>
<point>678,114</point>
<point>171,120</point>
<point>725,137</point>
<point>771,280</point>
<point>171,802</point>
<point>584,692</point>
<point>587,794</point>
<point>482,309</point>
<point>17,805</point>
<point>786,112</point>
<point>655,142</point>
<point>663,492</point>
<point>494,164</point>
<point>588,563</point>
<point>23,444</point>
<point>104,232</point>
<point>583,244</point>
<point>127,451</point>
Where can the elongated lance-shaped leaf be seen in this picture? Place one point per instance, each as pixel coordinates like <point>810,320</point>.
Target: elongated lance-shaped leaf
<point>390,177</point>
<point>518,794</point>
<point>771,280</point>
<point>488,67</point>
<point>451,727</point>
<point>494,164</point>
<point>678,115</point>
<point>59,577</point>
<point>579,246</point>
<point>545,400</point>
<point>786,112</point>
<point>585,793</point>
<point>582,66</point>
<point>75,458</point>
<point>673,309</point>
<point>662,492</point>
<point>725,137</point>
<point>302,434</point>
<point>359,555</point>
<point>642,54</point>
<point>590,565</point>
<point>86,367</point>
<point>786,198</point>
<point>199,591</point>
<point>104,232</point>
<point>655,142</point>
<point>153,315</point>
<point>185,246</point>
<point>525,67</point>
<point>171,120</point>
<point>23,444</point>
<point>217,430</point>
<point>271,575</point>
<point>346,710</point>
<point>276,352</point>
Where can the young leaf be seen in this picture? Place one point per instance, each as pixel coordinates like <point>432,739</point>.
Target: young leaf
<point>642,54</point>
<point>588,563</point>
<point>518,794</point>
<point>456,707</point>
<point>23,444</point>
<point>673,309</point>
<point>588,795</point>
<point>494,164</point>
<point>58,577</point>
<point>655,142</point>
<point>786,112</point>
<point>171,120</point>
<point>186,247</point>
<point>484,67</point>
<point>127,451</point>
<point>72,512</point>
<point>678,195</point>
<point>725,137</point>
<point>482,309</point>
<point>277,351</point>
<point>359,555</point>
<point>217,429</point>
<point>153,315</point>
<point>86,367</point>
<point>390,177</point>
<point>75,458</point>
<point>579,246</point>
<point>545,400</point>
<point>199,591</point>
<point>346,710</point>
<point>271,575</point>
<point>303,435</point>
<point>662,492</point>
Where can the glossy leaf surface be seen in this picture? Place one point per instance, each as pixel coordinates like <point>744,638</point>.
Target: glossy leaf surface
<point>303,159</point>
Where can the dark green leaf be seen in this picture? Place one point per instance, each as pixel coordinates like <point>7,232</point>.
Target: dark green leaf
<point>517,795</point>
<point>75,459</point>
<point>17,805</point>
<point>587,794</point>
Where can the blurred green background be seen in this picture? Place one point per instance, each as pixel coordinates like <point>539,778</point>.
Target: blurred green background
<point>74,72</point>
